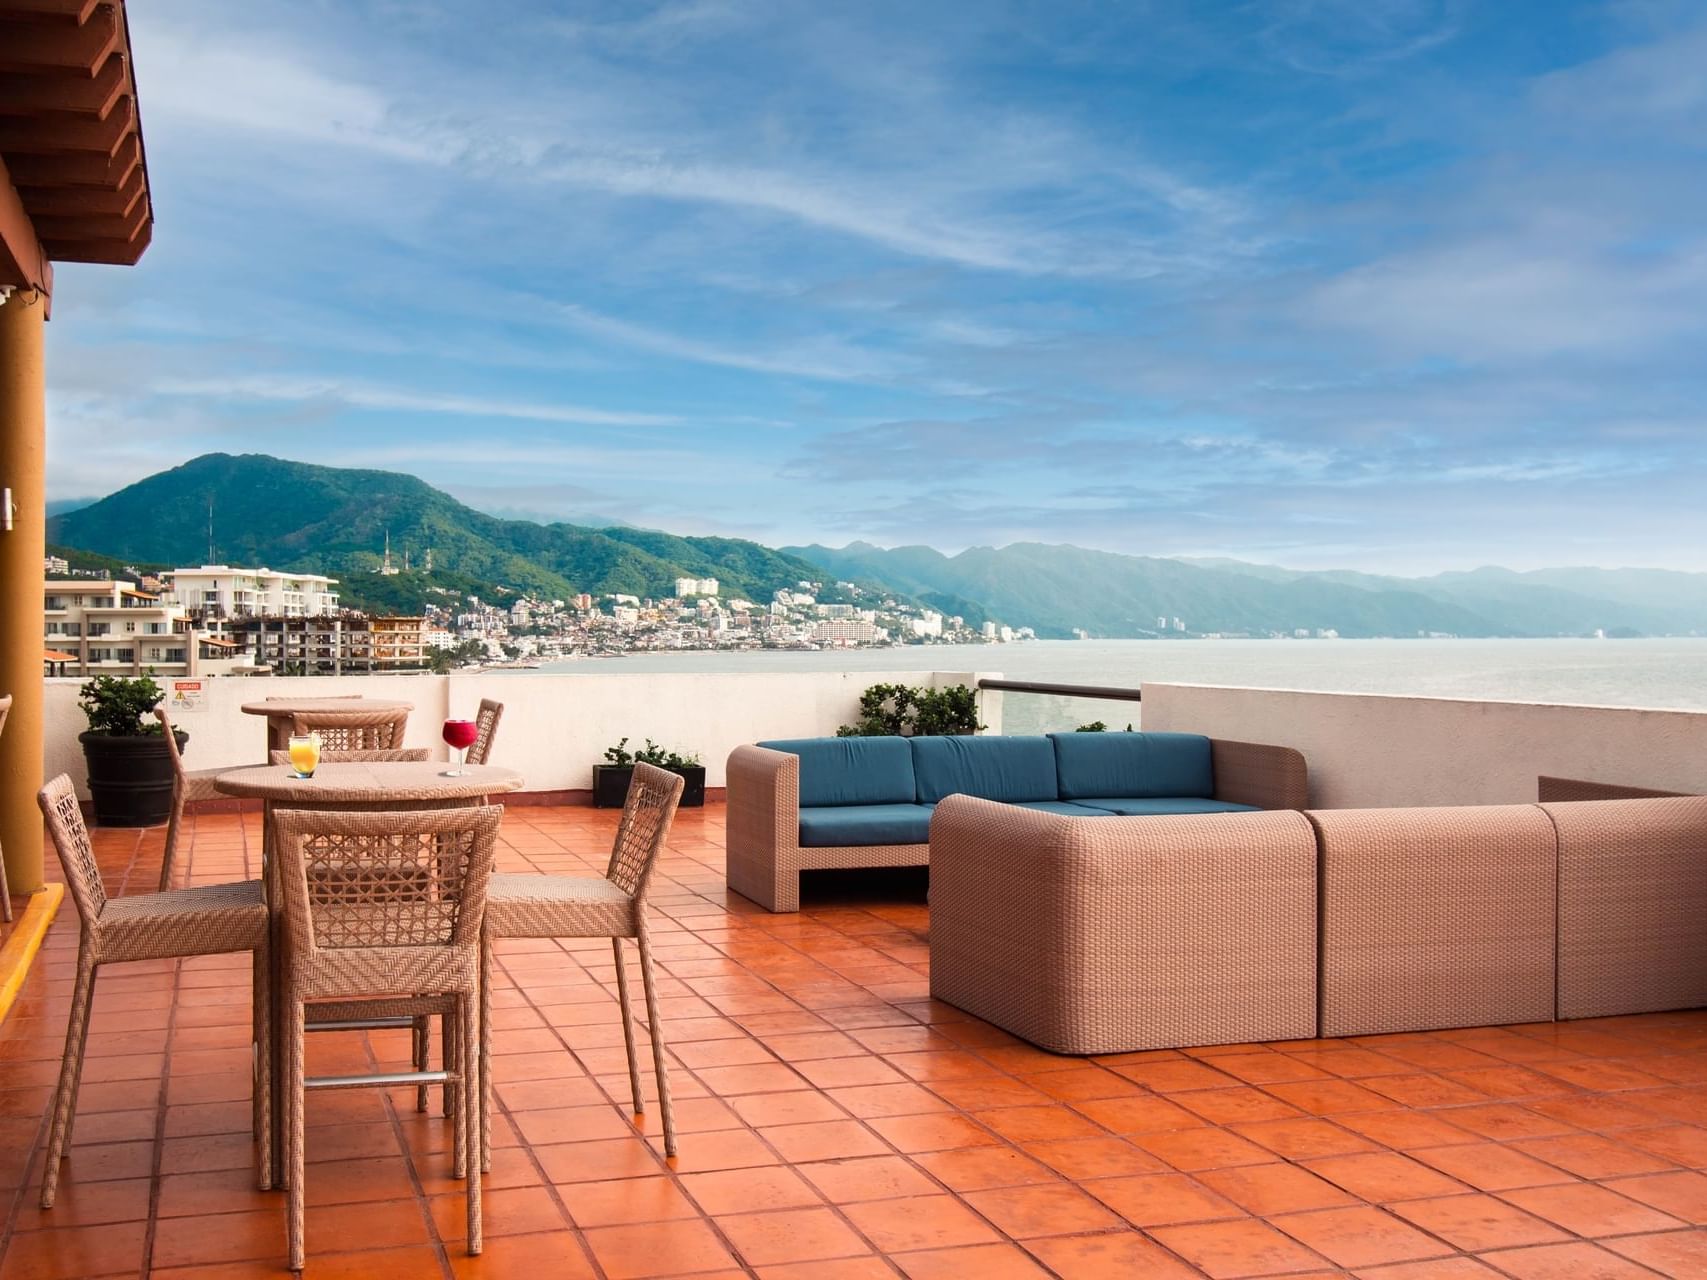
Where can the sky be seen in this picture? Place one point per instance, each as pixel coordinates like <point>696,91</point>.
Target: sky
<point>1398,285</point>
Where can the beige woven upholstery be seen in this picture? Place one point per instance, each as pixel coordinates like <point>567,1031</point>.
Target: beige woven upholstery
<point>188,786</point>
<point>765,856</point>
<point>382,914</point>
<point>410,755</point>
<point>1112,935</point>
<point>1632,905</point>
<point>614,907</point>
<point>175,923</point>
<point>5,889</point>
<point>486,719</point>
<point>353,730</point>
<point>1557,790</point>
<point>1435,918</point>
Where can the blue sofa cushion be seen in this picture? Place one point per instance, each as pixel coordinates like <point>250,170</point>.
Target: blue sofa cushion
<point>995,768</point>
<point>843,771</point>
<point>1151,806</point>
<point>1066,808</point>
<point>857,824</point>
<point>1133,764</point>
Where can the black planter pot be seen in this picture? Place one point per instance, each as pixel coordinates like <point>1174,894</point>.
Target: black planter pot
<point>610,785</point>
<point>130,778</point>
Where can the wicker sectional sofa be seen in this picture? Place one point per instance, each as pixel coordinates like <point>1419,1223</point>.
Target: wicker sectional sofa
<point>811,803</point>
<point>1111,937</point>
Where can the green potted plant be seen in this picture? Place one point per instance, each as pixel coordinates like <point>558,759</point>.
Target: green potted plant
<point>611,779</point>
<point>130,766</point>
<point>898,710</point>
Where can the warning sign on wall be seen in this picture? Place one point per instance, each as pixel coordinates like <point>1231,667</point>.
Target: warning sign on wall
<point>185,695</point>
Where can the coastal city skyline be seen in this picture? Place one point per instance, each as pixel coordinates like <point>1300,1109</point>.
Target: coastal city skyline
<point>1402,285</point>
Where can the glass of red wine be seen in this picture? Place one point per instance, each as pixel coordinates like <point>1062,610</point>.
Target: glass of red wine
<point>460,734</point>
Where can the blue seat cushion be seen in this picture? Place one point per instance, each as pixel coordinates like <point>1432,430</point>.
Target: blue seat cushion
<point>1066,808</point>
<point>844,771</point>
<point>1152,806</point>
<point>1133,764</point>
<point>859,824</point>
<point>995,768</point>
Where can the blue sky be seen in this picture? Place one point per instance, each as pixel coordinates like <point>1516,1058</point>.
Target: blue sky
<point>1391,284</point>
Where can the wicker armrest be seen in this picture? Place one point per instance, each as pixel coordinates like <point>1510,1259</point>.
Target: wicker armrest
<point>1112,935</point>
<point>763,834</point>
<point>1557,790</point>
<point>1256,774</point>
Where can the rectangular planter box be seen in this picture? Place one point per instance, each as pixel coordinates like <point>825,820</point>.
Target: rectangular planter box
<point>610,785</point>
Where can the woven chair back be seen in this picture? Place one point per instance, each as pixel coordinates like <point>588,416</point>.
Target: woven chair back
<point>646,817</point>
<point>171,740</point>
<point>412,878</point>
<point>486,721</point>
<point>354,730</point>
<point>58,800</point>
<point>395,755</point>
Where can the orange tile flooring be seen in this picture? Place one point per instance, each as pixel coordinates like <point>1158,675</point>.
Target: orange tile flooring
<point>837,1124</point>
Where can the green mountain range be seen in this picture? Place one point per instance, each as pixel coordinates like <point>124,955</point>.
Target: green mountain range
<point>294,516</point>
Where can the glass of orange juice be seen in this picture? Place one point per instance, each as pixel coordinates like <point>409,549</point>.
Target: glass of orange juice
<point>305,754</point>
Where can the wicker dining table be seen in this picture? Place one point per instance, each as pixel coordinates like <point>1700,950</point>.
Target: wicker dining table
<point>281,713</point>
<point>361,787</point>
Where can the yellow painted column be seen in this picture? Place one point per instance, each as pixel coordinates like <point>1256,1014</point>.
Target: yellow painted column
<point>23,465</point>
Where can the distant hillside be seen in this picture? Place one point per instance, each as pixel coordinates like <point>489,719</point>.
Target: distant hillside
<point>291,515</point>
<point>1058,588</point>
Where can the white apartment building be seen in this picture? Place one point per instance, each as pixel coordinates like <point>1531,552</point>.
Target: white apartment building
<point>108,627</point>
<point>222,591</point>
<point>695,587</point>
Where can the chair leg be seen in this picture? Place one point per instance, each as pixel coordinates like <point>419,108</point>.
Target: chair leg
<point>5,893</point>
<point>262,1087</point>
<point>485,1062</point>
<point>628,1027</point>
<point>456,1053</point>
<point>295,1105</point>
<point>656,1025</point>
<point>70,1071</point>
<point>173,825</point>
<point>468,1008</point>
<point>422,1038</point>
<point>450,1050</point>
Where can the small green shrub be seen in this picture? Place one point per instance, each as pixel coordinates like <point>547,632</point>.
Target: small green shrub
<point>121,707</point>
<point>898,710</point>
<point>1097,726</point>
<point>651,753</point>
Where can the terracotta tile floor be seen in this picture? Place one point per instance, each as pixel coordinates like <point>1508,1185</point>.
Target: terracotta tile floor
<point>839,1125</point>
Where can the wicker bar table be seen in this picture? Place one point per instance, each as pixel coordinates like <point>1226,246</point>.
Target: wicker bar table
<point>280,712</point>
<point>370,787</point>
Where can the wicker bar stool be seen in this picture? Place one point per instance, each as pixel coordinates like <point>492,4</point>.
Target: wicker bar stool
<point>612,906</point>
<point>353,730</point>
<point>206,921</point>
<point>188,785</point>
<point>486,720</point>
<point>395,755</point>
<point>382,914</point>
<point>5,889</point>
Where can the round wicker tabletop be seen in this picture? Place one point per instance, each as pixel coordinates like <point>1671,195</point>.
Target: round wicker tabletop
<point>403,782</point>
<point>288,706</point>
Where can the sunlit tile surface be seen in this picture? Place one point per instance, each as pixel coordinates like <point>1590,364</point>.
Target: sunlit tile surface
<point>836,1124</point>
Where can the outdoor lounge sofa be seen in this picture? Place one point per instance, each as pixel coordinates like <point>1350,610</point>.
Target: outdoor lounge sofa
<point>811,803</point>
<point>1118,936</point>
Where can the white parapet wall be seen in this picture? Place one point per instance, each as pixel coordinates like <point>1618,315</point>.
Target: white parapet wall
<point>1378,751</point>
<point>555,727</point>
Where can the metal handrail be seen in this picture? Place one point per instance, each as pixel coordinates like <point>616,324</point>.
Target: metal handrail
<point>1065,690</point>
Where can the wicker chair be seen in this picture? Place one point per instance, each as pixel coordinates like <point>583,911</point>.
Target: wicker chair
<point>5,889</point>
<point>354,730</point>
<point>394,755</point>
<point>187,785</point>
<point>487,719</point>
<point>612,906</point>
<point>383,910</point>
<point>206,921</point>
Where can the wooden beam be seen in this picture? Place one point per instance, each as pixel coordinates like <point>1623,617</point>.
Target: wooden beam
<point>72,202</point>
<point>121,253</point>
<point>78,10</point>
<point>92,226</point>
<point>85,170</point>
<point>46,43</point>
<point>57,134</point>
<point>23,261</point>
<point>66,91</point>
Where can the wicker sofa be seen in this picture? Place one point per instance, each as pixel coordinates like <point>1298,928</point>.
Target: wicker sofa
<point>810,803</point>
<point>1118,936</point>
